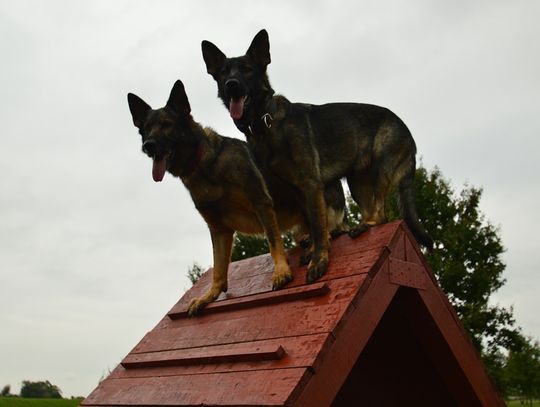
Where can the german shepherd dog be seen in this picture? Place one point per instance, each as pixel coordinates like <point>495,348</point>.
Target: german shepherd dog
<point>225,184</point>
<point>312,146</point>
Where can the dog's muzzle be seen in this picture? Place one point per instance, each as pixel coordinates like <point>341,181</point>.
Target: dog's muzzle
<point>149,148</point>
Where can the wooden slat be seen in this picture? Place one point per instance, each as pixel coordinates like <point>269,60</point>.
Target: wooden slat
<point>299,352</point>
<point>257,300</point>
<point>335,362</point>
<point>239,353</point>
<point>258,388</point>
<point>461,346</point>
<point>253,275</point>
<point>407,274</point>
<point>306,317</point>
<point>339,268</point>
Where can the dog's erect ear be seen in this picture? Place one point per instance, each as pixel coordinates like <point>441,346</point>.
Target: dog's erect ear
<point>213,57</point>
<point>178,101</point>
<point>259,50</point>
<point>139,109</point>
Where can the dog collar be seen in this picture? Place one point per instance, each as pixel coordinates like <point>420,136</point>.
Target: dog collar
<point>266,120</point>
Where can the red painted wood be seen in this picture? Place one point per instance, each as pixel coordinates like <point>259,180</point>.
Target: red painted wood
<point>407,274</point>
<point>309,316</point>
<point>347,256</point>
<point>262,282</point>
<point>215,359</point>
<point>299,352</point>
<point>335,362</point>
<point>461,346</point>
<point>255,388</point>
<point>257,300</point>
<point>239,353</point>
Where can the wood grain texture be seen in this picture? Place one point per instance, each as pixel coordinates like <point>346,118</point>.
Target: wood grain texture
<point>234,354</point>
<point>257,300</point>
<point>256,388</point>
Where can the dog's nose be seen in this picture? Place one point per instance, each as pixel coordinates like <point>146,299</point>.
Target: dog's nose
<point>149,148</point>
<point>232,84</point>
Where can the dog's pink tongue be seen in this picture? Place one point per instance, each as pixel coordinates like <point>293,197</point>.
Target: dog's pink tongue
<point>236,108</point>
<point>158,169</point>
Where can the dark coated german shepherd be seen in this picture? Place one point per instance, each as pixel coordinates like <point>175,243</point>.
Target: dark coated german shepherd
<point>312,146</point>
<point>225,184</point>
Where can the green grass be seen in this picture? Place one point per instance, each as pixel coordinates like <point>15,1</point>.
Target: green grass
<point>516,403</point>
<point>22,402</point>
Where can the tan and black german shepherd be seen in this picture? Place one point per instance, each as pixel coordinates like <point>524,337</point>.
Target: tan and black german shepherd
<point>225,184</point>
<point>312,146</point>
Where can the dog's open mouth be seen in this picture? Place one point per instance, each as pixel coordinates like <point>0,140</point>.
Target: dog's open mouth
<point>236,107</point>
<point>159,167</point>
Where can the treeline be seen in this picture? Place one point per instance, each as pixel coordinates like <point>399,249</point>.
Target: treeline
<point>35,390</point>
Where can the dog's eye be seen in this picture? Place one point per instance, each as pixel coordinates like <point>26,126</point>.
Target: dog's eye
<point>246,69</point>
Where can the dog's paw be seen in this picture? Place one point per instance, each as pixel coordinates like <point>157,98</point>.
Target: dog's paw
<point>316,270</point>
<point>281,277</point>
<point>357,231</point>
<point>196,306</point>
<point>337,233</point>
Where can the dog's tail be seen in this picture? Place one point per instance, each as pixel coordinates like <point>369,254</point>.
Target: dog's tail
<point>408,208</point>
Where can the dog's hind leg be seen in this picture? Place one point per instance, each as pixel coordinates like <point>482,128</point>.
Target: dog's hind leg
<point>222,240</point>
<point>363,193</point>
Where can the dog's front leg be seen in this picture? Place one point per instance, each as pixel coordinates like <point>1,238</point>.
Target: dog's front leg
<point>222,246</point>
<point>282,272</point>
<point>304,175</point>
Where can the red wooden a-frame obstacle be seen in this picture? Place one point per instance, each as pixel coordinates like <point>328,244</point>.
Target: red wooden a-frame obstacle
<point>376,330</point>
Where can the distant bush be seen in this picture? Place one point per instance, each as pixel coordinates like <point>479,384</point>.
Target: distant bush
<point>40,390</point>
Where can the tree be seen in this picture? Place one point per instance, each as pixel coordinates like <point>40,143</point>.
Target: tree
<point>5,391</point>
<point>467,257</point>
<point>466,261</point>
<point>195,272</point>
<point>522,371</point>
<point>40,390</point>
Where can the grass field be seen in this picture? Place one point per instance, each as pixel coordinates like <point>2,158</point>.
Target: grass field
<point>20,402</point>
<point>518,404</point>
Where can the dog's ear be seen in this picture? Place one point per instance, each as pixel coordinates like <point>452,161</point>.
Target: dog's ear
<point>178,101</point>
<point>139,109</point>
<point>259,50</point>
<point>213,57</point>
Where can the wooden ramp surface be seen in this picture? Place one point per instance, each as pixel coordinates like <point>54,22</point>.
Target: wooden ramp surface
<point>302,345</point>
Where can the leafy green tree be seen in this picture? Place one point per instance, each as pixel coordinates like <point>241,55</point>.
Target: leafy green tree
<point>5,391</point>
<point>195,272</point>
<point>467,259</point>
<point>253,245</point>
<point>522,371</point>
<point>42,389</point>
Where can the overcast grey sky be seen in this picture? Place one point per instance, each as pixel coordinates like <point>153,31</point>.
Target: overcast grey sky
<point>93,252</point>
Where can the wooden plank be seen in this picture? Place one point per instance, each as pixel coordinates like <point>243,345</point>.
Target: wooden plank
<point>299,352</point>
<point>257,300</point>
<point>253,275</point>
<point>305,317</point>
<point>407,274</point>
<point>461,346</point>
<point>238,353</point>
<point>339,268</point>
<point>336,361</point>
<point>258,388</point>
